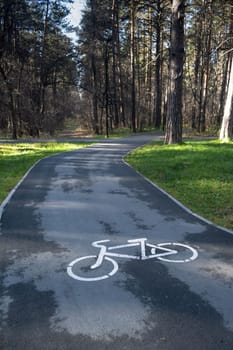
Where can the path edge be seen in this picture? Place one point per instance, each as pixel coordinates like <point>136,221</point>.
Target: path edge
<point>11,193</point>
<point>176,201</point>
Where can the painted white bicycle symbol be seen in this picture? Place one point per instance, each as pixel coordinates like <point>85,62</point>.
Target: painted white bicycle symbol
<point>168,252</point>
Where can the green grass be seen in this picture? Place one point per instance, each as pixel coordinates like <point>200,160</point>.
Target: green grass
<point>124,132</point>
<point>120,132</point>
<point>16,159</point>
<point>198,173</point>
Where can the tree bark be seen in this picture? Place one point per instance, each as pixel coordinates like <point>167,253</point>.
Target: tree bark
<point>176,62</point>
<point>226,128</point>
<point>206,63</point>
<point>119,70</point>
<point>132,60</point>
<point>196,100</point>
<point>158,85</point>
<point>114,60</point>
<point>94,71</point>
<point>106,90</point>
<point>43,77</point>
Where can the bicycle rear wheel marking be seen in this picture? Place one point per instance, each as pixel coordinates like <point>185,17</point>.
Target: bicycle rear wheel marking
<point>91,279</point>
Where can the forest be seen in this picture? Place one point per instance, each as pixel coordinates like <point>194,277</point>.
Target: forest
<point>135,64</point>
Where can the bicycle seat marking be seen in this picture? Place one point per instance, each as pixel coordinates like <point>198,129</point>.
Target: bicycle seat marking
<point>85,268</point>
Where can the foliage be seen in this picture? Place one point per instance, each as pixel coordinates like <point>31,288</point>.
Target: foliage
<point>37,66</point>
<point>141,72</point>
<point>118,72</point>
<point>197,173</point>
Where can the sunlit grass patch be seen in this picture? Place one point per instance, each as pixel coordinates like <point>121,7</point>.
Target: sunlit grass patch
<point>16,159</point>
<point>197,173</point>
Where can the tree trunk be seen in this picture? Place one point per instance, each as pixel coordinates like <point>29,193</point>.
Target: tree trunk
<point>132,60</point>
<point>196,100</point>
<point>225,74</point>
<point>226,69</point>
<point>114,60</point>
<point>158,85</point>
<point>149,63</point>
<point>226,128</point>
<point>94,71</point>
<point>176,62</point>
<point>43,74</point>
<point>95,97</point>
<point>206,63</point>
<point>106,89</point>
<point>119,70</point>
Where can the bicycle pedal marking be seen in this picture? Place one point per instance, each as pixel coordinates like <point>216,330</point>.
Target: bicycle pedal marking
<point>160,251</point>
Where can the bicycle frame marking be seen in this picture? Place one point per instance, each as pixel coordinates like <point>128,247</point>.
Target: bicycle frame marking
<point>107,254</point>
<point>104,251</point>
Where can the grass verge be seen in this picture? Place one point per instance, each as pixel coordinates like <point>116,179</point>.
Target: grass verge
<point>198,173</point>
<point>124,132</point>
<point>16,159</point>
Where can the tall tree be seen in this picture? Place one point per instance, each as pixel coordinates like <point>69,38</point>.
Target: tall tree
<point>114,62</point>
<point>158,80</point>
<point>227,121</point>
<point>93,66</point>
<point>207,10</point>
<point>176,62</point>
<point>132,64</point>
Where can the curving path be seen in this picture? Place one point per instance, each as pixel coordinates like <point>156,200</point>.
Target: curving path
<point>71,200</point>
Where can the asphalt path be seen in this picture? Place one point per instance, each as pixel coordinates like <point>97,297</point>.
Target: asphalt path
<point>50,298</point>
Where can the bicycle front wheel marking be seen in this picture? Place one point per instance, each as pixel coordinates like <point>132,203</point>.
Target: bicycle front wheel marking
<point>91,279</point>
<point>193,254</point>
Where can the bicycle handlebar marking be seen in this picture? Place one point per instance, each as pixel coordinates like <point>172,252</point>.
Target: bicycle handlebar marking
<point>160,251</point>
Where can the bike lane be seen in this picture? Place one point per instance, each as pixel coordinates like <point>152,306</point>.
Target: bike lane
<point>69,201</point>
